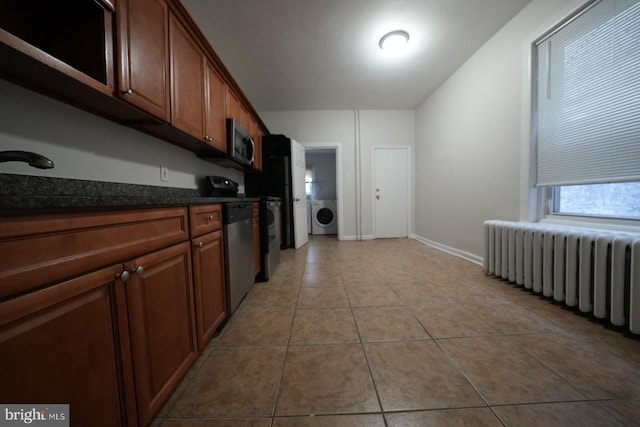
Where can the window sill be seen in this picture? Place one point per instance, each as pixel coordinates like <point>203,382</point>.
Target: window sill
<point>608,224</point>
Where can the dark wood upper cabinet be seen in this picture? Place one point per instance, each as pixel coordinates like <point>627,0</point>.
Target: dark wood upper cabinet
<point>187,81</point>
<point>143,30</point>
<point>141,63</point>
<point>256,134</point>
<point>63,49</point>
<point>215,103</point>
<point>234,108</point>
<point>75,33</point>
<point>198,92</point>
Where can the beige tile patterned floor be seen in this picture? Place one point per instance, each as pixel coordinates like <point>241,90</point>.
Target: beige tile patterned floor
<point>394,333</point>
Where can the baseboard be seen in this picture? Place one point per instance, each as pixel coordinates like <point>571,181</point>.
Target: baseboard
<point>451,251</point>
<point>352,238</point>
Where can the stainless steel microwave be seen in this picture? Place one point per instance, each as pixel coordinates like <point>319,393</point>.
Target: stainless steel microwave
<point>240,145</point>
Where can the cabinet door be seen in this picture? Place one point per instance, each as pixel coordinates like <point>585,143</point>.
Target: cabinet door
<point>161,325</point>
<point>256,134</point>
<point>59,345</point>
<point>215,118</point>
<point>209,285</point>
<point>144,55</point>
<point>235,109</point>
<point>187,81</point>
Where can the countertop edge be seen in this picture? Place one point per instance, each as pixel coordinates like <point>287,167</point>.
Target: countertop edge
<point>23,194</point>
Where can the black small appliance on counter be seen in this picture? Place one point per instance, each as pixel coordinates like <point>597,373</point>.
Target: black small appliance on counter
<point>222,187</point>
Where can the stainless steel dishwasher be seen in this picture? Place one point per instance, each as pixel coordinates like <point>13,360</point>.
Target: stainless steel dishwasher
<point>237,221</point>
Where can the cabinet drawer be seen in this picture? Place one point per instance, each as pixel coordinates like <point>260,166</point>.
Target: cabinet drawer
<point>204,219</point>
<point>43,249</point>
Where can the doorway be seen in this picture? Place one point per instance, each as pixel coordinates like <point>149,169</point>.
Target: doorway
<point>323,182</point>
<point>391,192</point>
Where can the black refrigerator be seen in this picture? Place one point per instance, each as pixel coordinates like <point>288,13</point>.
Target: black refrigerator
<point>275,180</point>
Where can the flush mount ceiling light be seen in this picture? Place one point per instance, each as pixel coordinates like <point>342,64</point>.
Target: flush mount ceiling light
<point>394,41</point>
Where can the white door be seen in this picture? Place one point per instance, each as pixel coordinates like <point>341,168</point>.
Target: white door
<point>391,192</point>
<point>300,210</point>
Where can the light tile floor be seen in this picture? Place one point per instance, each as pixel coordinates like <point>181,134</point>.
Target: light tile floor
<point>395,333</point>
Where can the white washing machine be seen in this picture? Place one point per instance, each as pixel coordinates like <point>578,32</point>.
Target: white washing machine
<point>324,217</point>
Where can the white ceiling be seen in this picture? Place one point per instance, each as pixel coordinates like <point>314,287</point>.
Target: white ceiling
<point>324,54</point>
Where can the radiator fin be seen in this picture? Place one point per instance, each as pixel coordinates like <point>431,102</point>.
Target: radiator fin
<point>596,271</point>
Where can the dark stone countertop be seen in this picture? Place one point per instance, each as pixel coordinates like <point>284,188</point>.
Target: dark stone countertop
<point>26,193</point>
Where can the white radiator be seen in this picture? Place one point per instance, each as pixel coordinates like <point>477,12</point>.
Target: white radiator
<point>597,271</point>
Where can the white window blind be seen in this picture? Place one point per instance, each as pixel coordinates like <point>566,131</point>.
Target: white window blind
<point>587,115</point>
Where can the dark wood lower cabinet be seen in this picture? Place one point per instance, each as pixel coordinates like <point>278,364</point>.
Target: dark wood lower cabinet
<point>161,325</point>
<point>60,345</point>
<point>209,285</point>
<point>112,342</point>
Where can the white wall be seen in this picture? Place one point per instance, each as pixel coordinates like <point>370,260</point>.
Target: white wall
<point>85,146</point>
<point>383,128</point>
<point>472,147</point>
<point>357,132</point>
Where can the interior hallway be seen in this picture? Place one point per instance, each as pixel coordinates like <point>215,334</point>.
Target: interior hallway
<point>392,332</point>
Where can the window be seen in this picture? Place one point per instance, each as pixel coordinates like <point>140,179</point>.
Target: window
<point>308,182</point>
<point>587,111</point>
<point>620,200</point>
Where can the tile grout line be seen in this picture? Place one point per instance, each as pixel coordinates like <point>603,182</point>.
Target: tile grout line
<point>286,353</point>
<point>366,358</point>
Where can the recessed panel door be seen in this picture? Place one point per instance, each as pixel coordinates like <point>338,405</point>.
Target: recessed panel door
<point>391,192</point>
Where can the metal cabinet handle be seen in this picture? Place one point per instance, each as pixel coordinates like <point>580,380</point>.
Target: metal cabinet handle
<point>200,244</point>
<point>128,92</point>
<point>138,270</point>
<point>208,138</point>
<point>124,276</point>
<point>210,218</point>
